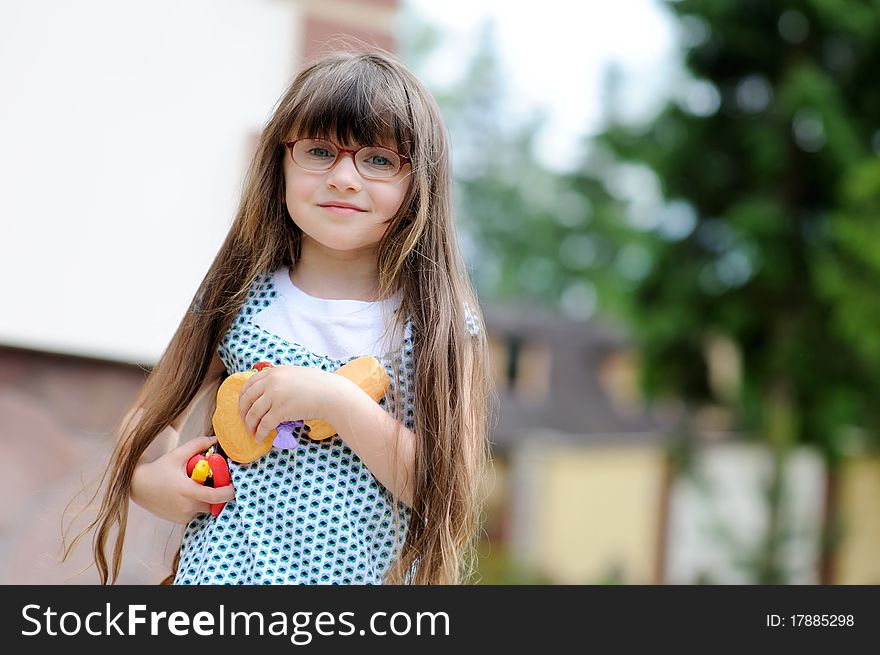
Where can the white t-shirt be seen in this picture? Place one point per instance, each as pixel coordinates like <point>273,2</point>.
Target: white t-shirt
<point>337,328</point>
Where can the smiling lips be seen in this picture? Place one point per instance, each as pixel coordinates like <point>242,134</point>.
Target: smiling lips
<point>342,207</point>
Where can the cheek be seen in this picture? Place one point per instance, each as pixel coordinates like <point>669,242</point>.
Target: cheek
<point>298,189</point>
<point>392,197</point>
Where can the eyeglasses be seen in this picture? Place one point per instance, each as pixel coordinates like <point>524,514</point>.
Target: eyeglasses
<point>373,163</point>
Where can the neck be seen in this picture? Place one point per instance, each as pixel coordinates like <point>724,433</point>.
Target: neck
<point>335,275</point>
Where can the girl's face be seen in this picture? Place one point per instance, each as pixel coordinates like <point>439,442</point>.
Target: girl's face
<point>339,209</point>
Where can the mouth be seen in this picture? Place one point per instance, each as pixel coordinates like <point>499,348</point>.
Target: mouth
<point>342,207</point>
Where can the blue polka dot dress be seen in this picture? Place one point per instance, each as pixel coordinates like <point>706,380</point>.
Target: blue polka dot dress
<point>313,514</point>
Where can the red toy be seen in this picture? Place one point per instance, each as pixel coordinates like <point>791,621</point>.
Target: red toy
<point>214,472</point>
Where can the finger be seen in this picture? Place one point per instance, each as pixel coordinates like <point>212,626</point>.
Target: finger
<point>247,385</point>
<point>247,397</point>
<point>256,377</point>
<point>255,414</point>
<point>195,446</point>
<point>266,425</point>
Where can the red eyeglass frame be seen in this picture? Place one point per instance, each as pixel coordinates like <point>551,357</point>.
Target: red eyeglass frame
<point>404,160</point>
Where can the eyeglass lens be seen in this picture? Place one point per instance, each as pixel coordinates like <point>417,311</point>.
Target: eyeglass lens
<point>370,161</point>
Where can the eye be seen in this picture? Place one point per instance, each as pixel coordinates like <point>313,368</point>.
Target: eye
<point>378,160</point>
<point>319,152</point>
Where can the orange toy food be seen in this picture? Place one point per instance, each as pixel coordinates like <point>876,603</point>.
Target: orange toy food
<point>241,447</point>
<point>230,429</point>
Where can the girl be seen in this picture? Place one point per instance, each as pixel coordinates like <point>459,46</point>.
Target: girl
<point>343,245</point>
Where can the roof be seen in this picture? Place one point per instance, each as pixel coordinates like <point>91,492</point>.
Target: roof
<point>580,402</point>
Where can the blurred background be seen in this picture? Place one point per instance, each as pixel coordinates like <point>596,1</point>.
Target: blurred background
<point>671,211</point>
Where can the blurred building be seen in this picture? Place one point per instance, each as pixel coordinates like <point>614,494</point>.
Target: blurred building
<point>322,22</point>
<point>163,102</point>
<point>58,413</point>
<point>590,485</point>
<point>581,477</point>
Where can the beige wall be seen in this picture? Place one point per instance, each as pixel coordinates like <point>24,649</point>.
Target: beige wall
<point>858,560</point>
<point>589,514</point>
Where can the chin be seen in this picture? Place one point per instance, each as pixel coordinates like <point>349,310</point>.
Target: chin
<point>340,243</point>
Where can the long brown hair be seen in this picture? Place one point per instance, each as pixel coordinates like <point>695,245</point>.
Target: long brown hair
<point>360,98</point>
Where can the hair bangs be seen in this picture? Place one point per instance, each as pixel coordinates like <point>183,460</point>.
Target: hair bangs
<point>360,106</point>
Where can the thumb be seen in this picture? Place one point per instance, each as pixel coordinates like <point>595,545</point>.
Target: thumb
<point>195,446</point>
<point>213,494</point>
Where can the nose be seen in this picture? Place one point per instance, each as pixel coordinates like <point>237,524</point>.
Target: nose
<point>344,174</point>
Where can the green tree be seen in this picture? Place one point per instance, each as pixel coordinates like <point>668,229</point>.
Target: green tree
<point>770,153</point>
<point>532,236</point>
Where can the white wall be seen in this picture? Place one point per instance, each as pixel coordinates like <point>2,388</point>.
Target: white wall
<point>718,518</point>
<point>125,130</point>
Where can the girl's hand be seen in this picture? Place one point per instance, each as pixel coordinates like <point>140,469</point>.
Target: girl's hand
<point>163,488</point>
<point>285,393</point>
